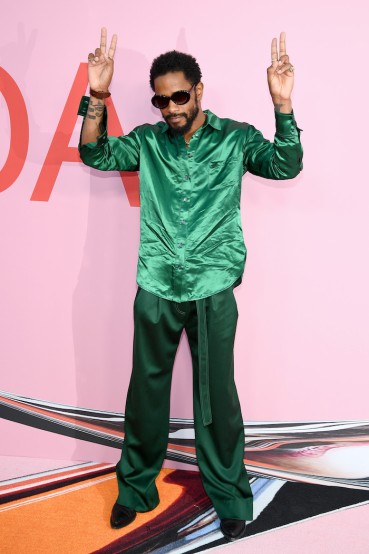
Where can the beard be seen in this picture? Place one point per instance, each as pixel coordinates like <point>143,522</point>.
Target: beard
<point>190,118</point>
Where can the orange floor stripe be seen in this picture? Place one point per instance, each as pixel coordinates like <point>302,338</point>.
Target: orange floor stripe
<point>73,519</point>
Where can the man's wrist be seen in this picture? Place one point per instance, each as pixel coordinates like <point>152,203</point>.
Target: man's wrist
<point>96,101</point>
<point>96,108</point>
<point>282,106</point>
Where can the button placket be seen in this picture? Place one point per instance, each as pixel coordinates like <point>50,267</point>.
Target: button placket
<point>183,215</point>
<point>186,157</point>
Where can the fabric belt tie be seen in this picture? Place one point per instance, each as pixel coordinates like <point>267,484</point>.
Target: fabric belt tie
<point>203,355</point>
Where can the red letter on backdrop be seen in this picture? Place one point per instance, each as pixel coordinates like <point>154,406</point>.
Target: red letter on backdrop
<point>60,152</point>
<point>19,130</point>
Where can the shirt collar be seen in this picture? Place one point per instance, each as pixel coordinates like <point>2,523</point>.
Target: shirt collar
<point>211,120</point>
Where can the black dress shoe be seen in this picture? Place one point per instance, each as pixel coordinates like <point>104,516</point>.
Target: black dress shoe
<point>233,529</point>
<point>121,516</point>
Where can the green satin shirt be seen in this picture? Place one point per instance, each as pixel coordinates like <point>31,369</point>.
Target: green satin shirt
<point>191,239</point>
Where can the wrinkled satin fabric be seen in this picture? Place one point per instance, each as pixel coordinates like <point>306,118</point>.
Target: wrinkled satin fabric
<point>191,238</point>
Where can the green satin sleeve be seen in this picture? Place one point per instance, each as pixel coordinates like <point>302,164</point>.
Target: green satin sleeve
<point>112,153</point>
<point>281,159</point>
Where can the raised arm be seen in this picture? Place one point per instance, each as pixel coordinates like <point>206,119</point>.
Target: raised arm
<point>96,148</point>
<point>100,74</point>
<point>281,159</point>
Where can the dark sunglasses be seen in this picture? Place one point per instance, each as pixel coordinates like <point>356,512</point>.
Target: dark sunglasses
<point>179,97</point>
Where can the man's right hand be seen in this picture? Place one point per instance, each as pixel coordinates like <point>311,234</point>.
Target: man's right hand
<point>100,73</point>
<point>101,64</point>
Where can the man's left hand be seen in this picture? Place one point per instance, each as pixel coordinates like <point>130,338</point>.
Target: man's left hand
<point>280,76</point>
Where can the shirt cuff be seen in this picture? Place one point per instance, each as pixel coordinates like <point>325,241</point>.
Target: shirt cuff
<point>285,124</point>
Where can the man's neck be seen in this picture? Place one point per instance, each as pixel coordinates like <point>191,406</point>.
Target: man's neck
<point>199,121</point>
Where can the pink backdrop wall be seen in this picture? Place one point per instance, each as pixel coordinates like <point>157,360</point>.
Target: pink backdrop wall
<point>67,278</point>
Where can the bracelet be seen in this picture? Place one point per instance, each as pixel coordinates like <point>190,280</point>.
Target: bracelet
<point>99,94</point>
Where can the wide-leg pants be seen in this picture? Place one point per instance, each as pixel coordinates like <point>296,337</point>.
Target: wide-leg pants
<point>158,325</point>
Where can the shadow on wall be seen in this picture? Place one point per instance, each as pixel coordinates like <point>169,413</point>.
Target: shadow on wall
<point>104,295</point>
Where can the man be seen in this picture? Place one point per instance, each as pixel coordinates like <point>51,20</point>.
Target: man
<point>191,256</point>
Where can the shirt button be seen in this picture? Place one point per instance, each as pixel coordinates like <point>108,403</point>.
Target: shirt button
<point>181,266</point>
<point>186,199</point>
<point>190,154</point>
<point>183,221</point>
<point>180,244</point>
<point>186,177</point>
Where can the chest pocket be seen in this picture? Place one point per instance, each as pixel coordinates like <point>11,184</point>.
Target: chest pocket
<point>224,173</point>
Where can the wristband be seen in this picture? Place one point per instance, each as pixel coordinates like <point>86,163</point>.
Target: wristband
<point>99,94</point>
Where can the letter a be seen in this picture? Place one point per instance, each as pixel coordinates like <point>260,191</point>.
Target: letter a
<point>60,151</point>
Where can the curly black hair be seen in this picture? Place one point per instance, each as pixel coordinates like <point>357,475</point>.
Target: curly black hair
<point>175,61</point>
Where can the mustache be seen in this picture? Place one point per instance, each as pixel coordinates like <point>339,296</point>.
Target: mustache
<point>169,117</point>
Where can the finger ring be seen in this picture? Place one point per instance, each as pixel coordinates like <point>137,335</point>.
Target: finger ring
<point>292,68</point>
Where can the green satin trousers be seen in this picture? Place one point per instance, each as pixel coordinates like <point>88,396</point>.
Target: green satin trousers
<point>219,435</point>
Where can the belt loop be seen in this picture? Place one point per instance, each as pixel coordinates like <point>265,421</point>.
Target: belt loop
<point>203,354</point>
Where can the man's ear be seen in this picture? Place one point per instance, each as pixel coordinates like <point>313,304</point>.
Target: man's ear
<point>199,90</point>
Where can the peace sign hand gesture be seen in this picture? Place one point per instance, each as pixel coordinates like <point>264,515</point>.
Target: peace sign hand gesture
<point>280,75</point>
<point>101,65</point>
